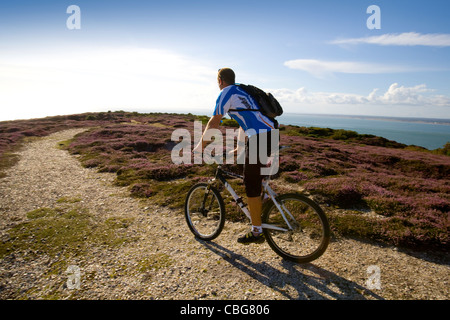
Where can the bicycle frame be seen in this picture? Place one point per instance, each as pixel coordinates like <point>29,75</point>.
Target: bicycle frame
<point>220,175</point>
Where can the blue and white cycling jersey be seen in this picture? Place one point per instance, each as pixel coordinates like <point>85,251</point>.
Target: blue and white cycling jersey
<point>233,97</point>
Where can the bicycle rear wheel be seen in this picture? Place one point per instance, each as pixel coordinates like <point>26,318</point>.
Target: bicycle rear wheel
<point>310,233</point>
<point>204,211</point>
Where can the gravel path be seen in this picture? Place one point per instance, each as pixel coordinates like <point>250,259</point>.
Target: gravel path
<point>160,259</point>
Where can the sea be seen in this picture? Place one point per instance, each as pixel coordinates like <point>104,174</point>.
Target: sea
<point>424,132</point>
<point>428,133</point>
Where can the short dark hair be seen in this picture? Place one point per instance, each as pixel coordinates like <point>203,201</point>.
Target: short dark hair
<point>227,75</point>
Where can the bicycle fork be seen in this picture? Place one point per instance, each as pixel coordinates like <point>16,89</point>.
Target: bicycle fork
<point>281,208</point>
<point>203,209</point>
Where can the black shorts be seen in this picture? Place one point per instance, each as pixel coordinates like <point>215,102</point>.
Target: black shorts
<point>253,163</point>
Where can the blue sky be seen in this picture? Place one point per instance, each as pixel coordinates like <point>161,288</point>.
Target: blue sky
<point>314,56</point>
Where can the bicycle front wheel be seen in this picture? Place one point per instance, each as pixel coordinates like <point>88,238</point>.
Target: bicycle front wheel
<point>308,230</point>
<point>204,211</point>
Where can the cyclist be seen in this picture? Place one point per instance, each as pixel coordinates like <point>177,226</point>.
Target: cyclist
<point>256,126</point>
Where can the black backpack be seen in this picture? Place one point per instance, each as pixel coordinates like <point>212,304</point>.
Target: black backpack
<point>268,105</point>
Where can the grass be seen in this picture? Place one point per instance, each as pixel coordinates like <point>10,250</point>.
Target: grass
<point>62,234</point>
<point>7,160</point>
<point>67,230</point>
<point>407,188</point>
<point>154,262</point>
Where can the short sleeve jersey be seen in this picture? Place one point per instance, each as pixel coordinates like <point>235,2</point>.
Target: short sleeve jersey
<point>234,98</point>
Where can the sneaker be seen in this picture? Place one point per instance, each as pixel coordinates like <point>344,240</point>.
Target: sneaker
<point>251,238</point>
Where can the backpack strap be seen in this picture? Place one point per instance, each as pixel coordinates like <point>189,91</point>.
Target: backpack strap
<point>239,110</point>
<point>275,122</point>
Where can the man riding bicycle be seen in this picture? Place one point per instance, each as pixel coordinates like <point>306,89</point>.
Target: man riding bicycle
<point>258,129</point>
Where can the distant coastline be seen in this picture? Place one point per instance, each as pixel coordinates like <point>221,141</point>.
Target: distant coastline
<point>207,112</point>
<point>429,133</point>
<point>380,118</point>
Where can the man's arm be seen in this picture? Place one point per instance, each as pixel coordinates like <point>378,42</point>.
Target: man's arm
<point>213,123</point>
<point>240,142</point>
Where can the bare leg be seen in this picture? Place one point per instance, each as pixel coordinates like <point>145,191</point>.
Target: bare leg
<point>255,207</point>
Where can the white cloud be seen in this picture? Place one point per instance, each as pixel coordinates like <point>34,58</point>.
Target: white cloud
<point>395,95</point>
<point>402,39</point>
<point>321,69</point>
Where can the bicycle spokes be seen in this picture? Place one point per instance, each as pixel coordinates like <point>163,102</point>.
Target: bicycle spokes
<point>204,211</point>
<point>308,231</point>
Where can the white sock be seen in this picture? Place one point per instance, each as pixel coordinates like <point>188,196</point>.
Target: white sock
<point>257,230</point>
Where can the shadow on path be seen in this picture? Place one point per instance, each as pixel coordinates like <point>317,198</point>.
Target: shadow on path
<point>296,281</point>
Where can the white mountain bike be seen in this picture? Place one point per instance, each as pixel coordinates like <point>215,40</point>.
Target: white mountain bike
<point>295,226</point>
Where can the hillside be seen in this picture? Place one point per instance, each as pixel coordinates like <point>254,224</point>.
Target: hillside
<point>62,222</point>
<point>372,188</point>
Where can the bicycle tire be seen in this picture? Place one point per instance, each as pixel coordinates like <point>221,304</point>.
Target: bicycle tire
<point>311,233</point>
<point>205,223</point>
